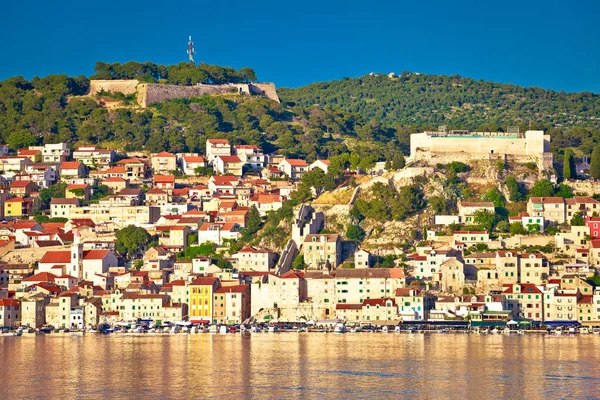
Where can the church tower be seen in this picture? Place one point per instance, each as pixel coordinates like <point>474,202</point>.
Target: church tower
<point>77,257</point>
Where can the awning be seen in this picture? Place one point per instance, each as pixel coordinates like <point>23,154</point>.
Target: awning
<point>512,322</point>
<point>561,323</point>
<point>488,323</point>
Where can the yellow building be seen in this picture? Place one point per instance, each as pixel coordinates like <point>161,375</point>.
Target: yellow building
<point>201,298</point>
<point>20,207</point>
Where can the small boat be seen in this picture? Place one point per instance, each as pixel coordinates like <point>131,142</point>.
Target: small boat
<point>385,329</point>
<point>506,331</point>
<point>273,329</point>
<point>339,328</point>
<point>194,330</point>
<point>356,329</point>
<point>255,329</point>
<point>12,333</point>
<point>520,332</point>
<point>105,329</point>
<point>175,329</point>
<point>572,330</point>
<point>558,331</point>
<point>495,330</point>
<point>223,330</point>
<point>596,331</point>
<point>213,329</point>
<point>584,330</point>
<point>47,329</point>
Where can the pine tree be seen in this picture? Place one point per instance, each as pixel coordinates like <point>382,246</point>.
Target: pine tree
<point>568,170</point>
<point>595,163</point>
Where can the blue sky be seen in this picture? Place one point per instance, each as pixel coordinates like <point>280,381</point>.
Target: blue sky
<point>551,44</point>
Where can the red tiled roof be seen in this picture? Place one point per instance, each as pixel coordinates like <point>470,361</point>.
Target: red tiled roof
<point>10,303</point>
<point>218,141</point>
<point>70,165</point>
<point>26,152</point>
<point>114,170</point>
<point>77,186</point>
<point>72,201</point>
<point>203,281</point>
<point>194,159</point>
<point>114,179</point>
<point>19,184</point>
<point>41,277</point>
<point>232,289</point>
<point>296,163</point>
<point>341,306</point>
<point>56,257</point>
<point>163,154</point>
<point>164,178</point>
<point>24,224</point>
<point>230,159</point>
<point>375,302</point>
<point>95,254</point>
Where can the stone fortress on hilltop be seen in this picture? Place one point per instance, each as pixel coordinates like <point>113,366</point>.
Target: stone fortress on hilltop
<point>148,93</point>
<point>460,145</point>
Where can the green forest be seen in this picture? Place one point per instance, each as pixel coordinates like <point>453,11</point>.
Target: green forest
<point>53,109</point>
<point>414,102</point>
<point>178,74</point>
<point>371,116</point>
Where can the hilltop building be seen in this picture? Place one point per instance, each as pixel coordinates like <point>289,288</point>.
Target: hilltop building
<point>458,145</point>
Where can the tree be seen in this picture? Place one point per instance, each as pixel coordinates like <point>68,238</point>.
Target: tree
<point>203,171</point>
<point>595,163</point>
<point>253,225</point>
<point>542,188</point>
<point>564,191</point>
<point>99,192</point>
<point>569,170</point>
<point>398,162</point>
<point>503,226</point>
<point>515,190</point>
<point>485,218</point>
<point>204,250</point>
<point>298,262</point>
<point>355,232</point>
<point>577,219</point>
<point>439,205</point>
<point>131,239</point>
<point>55,191</point>
<point>494,196</point>
<point>516,228</point>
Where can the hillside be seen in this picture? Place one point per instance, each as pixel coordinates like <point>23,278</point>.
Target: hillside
<point>54,109</point>
<point>414,102</point>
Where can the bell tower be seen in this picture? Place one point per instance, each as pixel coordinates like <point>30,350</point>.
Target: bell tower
<point>77,257</point>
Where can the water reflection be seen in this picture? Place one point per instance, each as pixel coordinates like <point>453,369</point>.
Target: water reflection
<point>290,365</point>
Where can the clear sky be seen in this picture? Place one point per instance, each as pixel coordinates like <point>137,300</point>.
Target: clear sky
<point>551,44</point>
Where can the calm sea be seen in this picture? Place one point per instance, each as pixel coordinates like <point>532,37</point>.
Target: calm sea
<point>307,365</point>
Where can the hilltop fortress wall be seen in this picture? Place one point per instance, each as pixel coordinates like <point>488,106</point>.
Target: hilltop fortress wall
<point>125,86</point>
<point>435,147</point>
<point>148,93</point>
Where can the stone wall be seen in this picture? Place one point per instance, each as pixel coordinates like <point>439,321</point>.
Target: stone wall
<point>148,93</point>
<point>265,89</point>
<point>125,86</point>
<point>532,146</point>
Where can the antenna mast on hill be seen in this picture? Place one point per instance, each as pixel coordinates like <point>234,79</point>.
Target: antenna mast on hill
<point>191,50</point>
